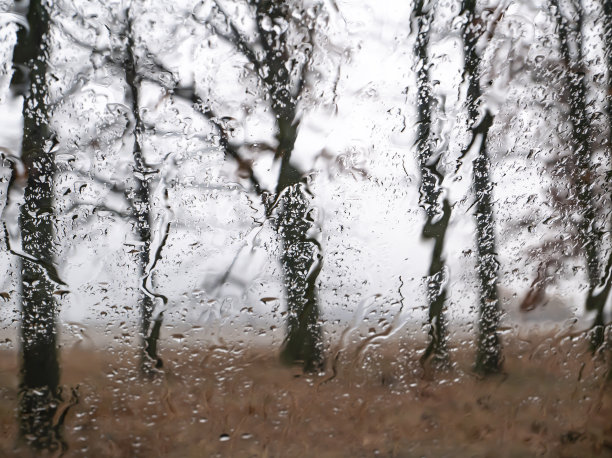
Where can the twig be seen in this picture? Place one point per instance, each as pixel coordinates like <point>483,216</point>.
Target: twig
<point>47,266</point>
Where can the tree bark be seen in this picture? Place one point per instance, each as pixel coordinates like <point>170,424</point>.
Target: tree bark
<point>581,157</point>
<point>141,204</point>
<point>437,216</point>
<point>301,256</point>
<point>489,358</point>
<point>40,371</point>
<point>598,294</point>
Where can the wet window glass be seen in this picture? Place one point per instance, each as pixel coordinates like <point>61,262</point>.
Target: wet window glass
<point>305,228</point>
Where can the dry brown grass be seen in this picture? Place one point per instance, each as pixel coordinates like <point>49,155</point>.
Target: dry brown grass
<point>379,402</point>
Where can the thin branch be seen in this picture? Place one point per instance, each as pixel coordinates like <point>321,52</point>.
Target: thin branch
<point>234,38</point>
<point>48,267</point>
<point>149,272</point>
<point>109,185</point>
<point>252,236</point>
<point>306,66</point>
<point>482,127</point>
<point>189,95</point>
<point>259,146</point>
<point>97,208</point>
<point>60,25</point>
<point>498,15</point>
<point>152,130</point>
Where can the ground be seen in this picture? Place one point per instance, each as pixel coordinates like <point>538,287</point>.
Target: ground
<point>551,400</point>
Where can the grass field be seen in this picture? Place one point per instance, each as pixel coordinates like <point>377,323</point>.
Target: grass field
<point>550,401</point>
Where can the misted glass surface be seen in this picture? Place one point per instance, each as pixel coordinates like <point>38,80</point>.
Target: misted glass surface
<point>305,228</point>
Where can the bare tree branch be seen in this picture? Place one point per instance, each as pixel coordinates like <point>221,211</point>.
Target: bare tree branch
<point>306,65</point>
<point>236,38</point>
<point>97,208</point>
<point>109,185</point>
<point>189,95</point>
<point>77,41</point>
<point>48,267</point>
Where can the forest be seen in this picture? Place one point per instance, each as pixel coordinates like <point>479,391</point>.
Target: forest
<point>214,215</point>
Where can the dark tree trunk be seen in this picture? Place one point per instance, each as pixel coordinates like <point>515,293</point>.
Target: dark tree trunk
<point>581,157</point>
<point>288,206</point>
<point>301,261</point>
<point>435,228</point>
<point>40,370</point>
<point>141,203</point>
<point>301,256</point>
<point>598,294</point>
<point>437,216</point>
<point>489,357</point>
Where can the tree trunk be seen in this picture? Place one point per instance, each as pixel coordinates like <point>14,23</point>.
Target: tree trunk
<point>598,296</point>
<point>40,368</point>
<point>581,158</point>
<point>301,256</point>
<point>437,216</point>
<point>489,357</point>
<point>301,262</point>
<point>141,203</point>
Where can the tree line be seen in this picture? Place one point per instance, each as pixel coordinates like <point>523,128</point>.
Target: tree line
<point>279,53</point>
